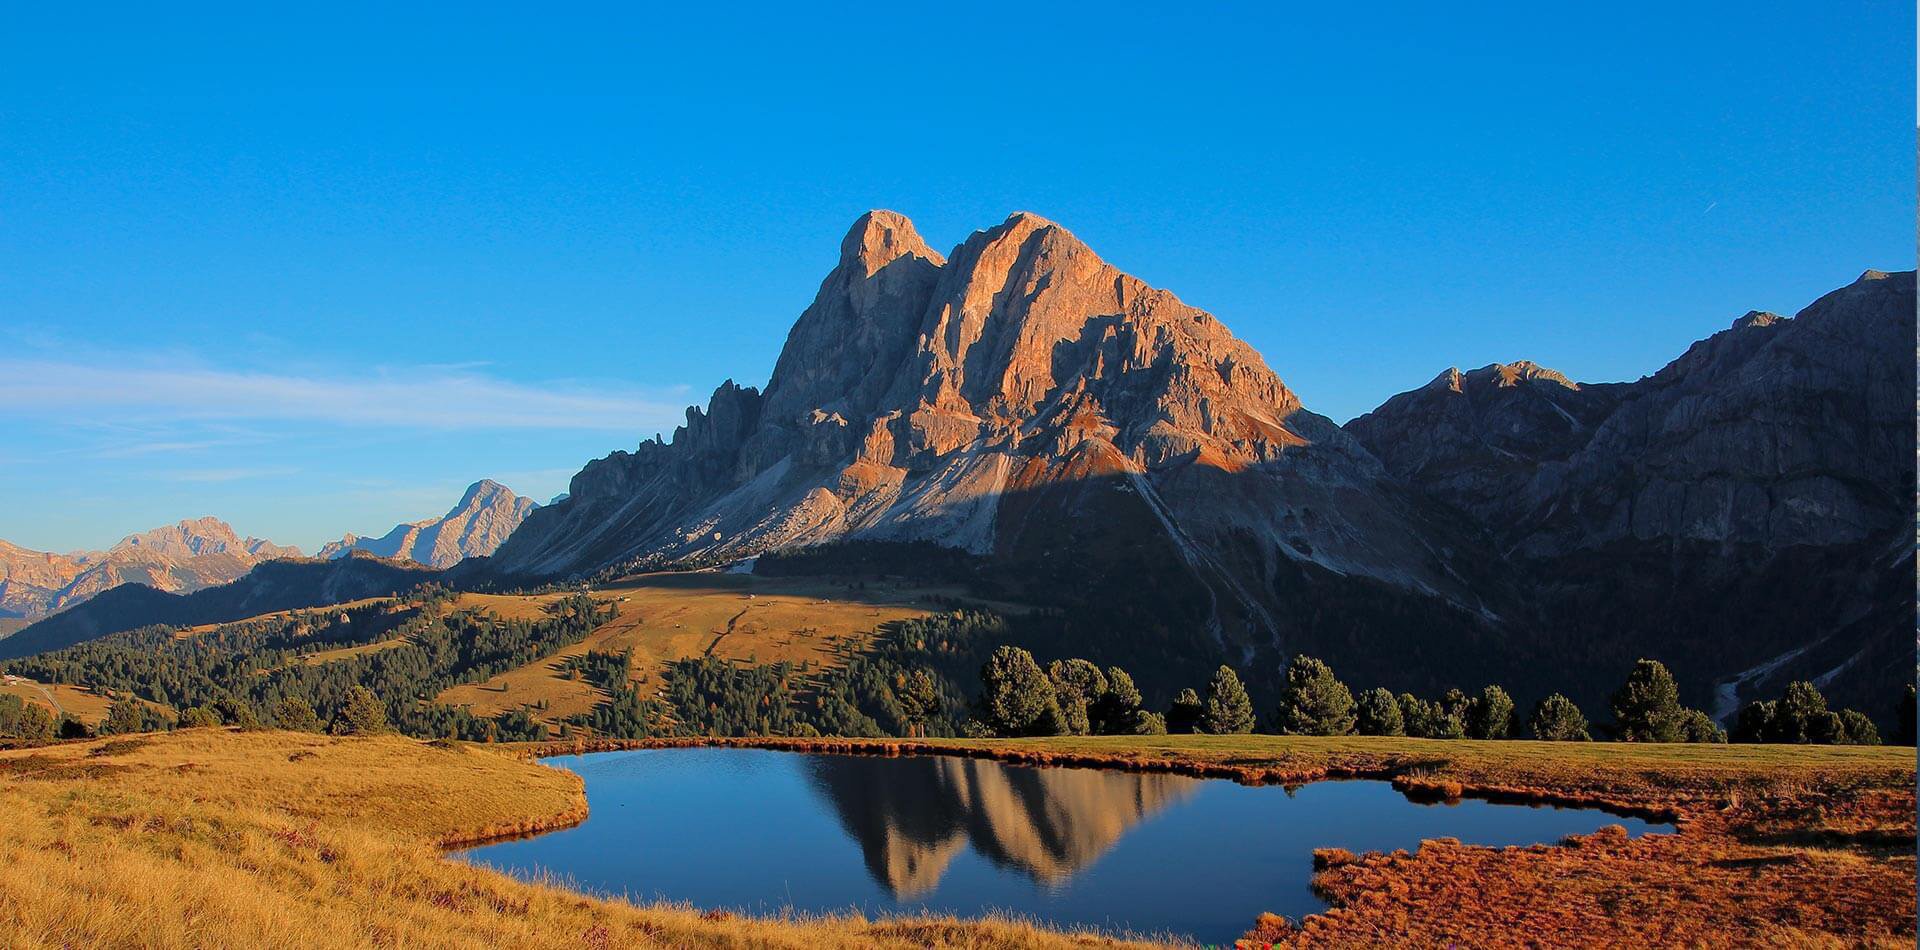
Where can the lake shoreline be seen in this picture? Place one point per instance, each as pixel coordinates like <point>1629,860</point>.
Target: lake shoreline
<point>1772,843</point>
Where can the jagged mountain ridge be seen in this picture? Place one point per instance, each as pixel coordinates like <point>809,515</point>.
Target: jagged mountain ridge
<point>1022,399</point>
<point>475,526</point>
<point>181,557</point>
<point>1747,501</point>
<point>1016,397</point>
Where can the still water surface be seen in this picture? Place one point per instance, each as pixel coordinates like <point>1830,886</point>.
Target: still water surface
<point>758,831</point>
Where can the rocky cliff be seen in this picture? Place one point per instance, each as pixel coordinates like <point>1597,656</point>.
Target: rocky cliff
<point>1020,398</point>
<point>1118,452</point>
<point>476,525</point>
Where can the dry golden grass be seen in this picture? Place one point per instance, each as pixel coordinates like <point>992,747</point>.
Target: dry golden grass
<point>673,616</point>
<point>1654,772</point>
<point>213,838</point>
<point>80,702</point>
<point>77,701</point>
<point>348,653</point>
<point>508,606</point>
<point>184,632</point>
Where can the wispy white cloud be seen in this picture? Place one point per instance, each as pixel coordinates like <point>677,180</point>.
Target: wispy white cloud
<point>226,474</point>
<point>152,448</point>
<point>436,397</point>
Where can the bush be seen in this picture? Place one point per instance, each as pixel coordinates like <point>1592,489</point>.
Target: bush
<point>1857,729</point>
<point>20,719</point>
<point>1227,710</point>
<point>1490,715</point>
<point>1696,726</point>
<point>1018,698</point>
<point>1314,701</point>
<point>1184,715</point>
<point>1557,719</point>
<point>1077,685</point>
<point>1647,706</point>
<point>199,717</point>
<point>1378,714</point>
<point>296,715</point>
<point>363,714</point>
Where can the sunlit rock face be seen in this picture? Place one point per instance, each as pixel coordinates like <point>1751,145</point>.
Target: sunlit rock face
<point>1020,398</point>
<point>474,527</point>
<point>912,816</point>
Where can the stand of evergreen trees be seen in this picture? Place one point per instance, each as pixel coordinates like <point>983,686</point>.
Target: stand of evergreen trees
<point>256,672</point>
<point>1020,698</point>
<point>955,673</point>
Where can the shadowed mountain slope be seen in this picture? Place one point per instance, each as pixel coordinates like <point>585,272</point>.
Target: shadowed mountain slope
<point>1748,501</point>
<point>270,586</point>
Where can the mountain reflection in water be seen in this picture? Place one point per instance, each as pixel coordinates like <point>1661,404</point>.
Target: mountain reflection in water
<point>911,816</point>
<point>762,832</point>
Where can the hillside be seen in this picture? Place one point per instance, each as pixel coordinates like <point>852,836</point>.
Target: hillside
<point>662,618</point>
<point>267,587</point>
<point>675,654</point>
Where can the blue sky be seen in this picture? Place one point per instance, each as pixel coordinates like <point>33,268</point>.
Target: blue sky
<point>314,273</point>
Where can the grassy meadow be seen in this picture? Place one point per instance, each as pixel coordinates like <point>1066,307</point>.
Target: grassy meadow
<point>667,617</point>
<point>254,839</point>
<point>210,837</point>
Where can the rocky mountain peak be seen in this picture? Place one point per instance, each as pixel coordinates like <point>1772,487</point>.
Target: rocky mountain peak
<point>186,538</point>
<point>1757,318</point>
<point>927,398</point>
<point>475,526</point>
<point>1030,333</point>
<point>484,492</point>
<point>841,353</point>
<point>1500,376</point>
<point>880,237</point>
<point>185,556</point>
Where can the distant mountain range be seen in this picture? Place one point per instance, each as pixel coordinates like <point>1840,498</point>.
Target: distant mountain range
<point>1122,453</point>
<point>200,553</point>
<point>182,557</point>
<point>286,584</point>
<point>485,515</point>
